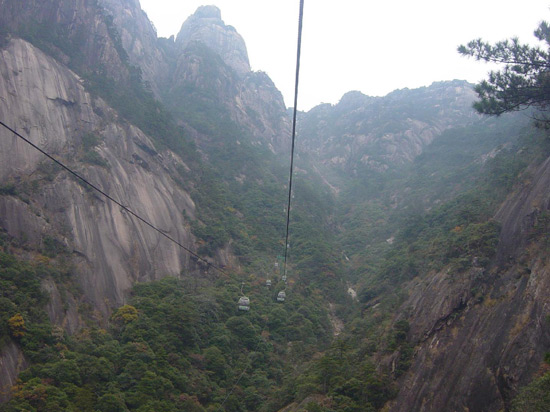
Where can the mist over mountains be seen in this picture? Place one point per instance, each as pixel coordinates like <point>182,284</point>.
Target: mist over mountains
<point>418,261</point>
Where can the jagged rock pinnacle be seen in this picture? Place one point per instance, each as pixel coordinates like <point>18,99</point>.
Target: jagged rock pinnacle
<point>208,12</point>
<point>206,26</point>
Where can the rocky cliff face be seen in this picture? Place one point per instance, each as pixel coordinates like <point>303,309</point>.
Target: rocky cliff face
<point>207,27</point>
<point>481,337</point>
<point>139,39</point>
<point>42,98</point>
<point>11,363</point>
<point>378,133</point>
<point>77,33</point>
<point>48,103</point>
<point>211,71</point>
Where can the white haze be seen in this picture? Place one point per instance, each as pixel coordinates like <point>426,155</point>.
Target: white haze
<point>371,46</point>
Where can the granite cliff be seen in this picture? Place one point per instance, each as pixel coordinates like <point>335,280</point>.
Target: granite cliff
<point>71,73</point>
<point>379,133</point>
<point>481,337</point>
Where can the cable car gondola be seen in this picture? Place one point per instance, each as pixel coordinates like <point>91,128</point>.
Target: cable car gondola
<point>281,296</point>
<point>268,283</point>
<point>244,302</point>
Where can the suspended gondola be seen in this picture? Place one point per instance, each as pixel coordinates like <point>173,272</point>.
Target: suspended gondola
<point>244,301</point>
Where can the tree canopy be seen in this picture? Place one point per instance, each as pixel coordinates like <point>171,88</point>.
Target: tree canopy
<point>523,82</point>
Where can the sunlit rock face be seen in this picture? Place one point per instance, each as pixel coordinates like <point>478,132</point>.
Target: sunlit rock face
<point>206,26</point>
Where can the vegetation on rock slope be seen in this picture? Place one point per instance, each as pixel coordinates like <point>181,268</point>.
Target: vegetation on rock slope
<point>181,344</point>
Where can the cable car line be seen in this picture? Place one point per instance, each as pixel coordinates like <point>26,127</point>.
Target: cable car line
<point>125,208</point>
<point>299,49</point>
<point>244,302</point>
<point>234,386</point>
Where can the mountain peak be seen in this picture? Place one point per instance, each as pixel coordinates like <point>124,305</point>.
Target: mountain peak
<point>208,12</point>
<point>206,26</point>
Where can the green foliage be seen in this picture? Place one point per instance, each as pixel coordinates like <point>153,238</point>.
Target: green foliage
<point>534,397</point>
<point>51,247</point>
<point>8,190</point>
<point>452,234</point>
<point>524,80</point>
<point>176,347</point>
<point>16,325</point>
<point>89,141</point>
<point>21,302</point>
<point>94,158</point>
<point>125,314</point>
<point>348,379</point>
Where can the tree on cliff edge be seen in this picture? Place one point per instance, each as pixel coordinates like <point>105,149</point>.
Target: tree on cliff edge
<point>523,82</point>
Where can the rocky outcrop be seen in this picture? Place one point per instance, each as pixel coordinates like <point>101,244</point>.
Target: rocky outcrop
<point>41,99</point>
<point>378,133</point>
<point>212,71</point>
<point>260,106</point>
<point>11,363</point>
<point>139,40</point>
<point>521,213</point>
<point>46,102</point>
<point>207,27</point>
<point>481,336</point>
<point>78,33</point>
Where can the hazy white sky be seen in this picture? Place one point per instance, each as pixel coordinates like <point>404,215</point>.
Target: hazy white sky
<point>372,46</point>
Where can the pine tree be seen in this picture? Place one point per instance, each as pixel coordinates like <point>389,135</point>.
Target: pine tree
<point>523,82</point>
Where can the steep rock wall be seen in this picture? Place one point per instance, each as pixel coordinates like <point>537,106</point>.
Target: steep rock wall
<point>47,102</point>
<point>481,336</point>
<point>206,26</point>
<point>11,363</point>
<point>139,40</point>
<point>211,71</point>
<point>79,33</point>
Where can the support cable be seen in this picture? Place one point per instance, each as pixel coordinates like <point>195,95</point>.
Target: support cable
<point>234,386</point>
<point>125,208</point>
<point>300,21</point>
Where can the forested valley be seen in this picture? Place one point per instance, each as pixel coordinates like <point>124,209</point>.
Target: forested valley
<point>417,276</point>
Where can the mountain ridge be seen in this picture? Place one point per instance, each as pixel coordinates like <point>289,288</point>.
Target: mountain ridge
<point>187,135</point>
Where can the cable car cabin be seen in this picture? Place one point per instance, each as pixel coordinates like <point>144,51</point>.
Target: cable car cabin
<point>268,282</point>
<point>244,303</point>
<point>281,296</point>
<point>284,278</point>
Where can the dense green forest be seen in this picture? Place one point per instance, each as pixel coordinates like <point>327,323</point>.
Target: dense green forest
<point>181,343</point>
<point>176,345</point>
